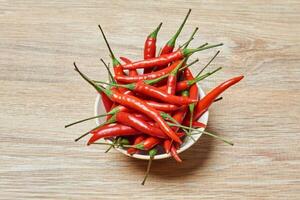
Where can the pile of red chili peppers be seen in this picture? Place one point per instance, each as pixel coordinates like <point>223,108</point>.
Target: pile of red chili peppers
<point>153,103</point>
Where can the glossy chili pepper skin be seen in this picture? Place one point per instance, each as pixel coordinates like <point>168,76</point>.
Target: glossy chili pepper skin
<point>172,81</point>
<point>180,114</point>
<point>139,105</point>
<point>150,44</point>
<point>174,154</point>
<point>137,140</point>
<point>139,124</point>
<point>157,61</point>
<point>112,130</point>
<point>149,76</point>
<point>106,101</point>
<point>167,145</point>
<point>148,143</point>
<point>193,89</point>
<point>204,103</point>
<point>132,72</point>
<point>152,91</point>
<point>195,124</point>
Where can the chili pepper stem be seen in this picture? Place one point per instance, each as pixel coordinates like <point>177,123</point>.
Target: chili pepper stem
<point>191,38</point>
<point>218,99</point>
<point>199,78</point>
<point>208,63</point>
<point>172,41</point>
<point>152,154</point>
<point>155,32</point>
<point>188,52</point>
<point>109,72</point>
<point>115,61</point>
<point>204,132</point>
<point>98,88</point>
<point>83,120</point>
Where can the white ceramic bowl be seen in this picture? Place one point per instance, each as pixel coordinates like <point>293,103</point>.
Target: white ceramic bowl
<point>187,143</point>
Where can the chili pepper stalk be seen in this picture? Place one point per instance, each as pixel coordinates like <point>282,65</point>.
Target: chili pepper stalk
<point>168,48</point>
<point>152,154</point>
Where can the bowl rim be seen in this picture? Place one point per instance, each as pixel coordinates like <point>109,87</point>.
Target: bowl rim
<point>186,144</point>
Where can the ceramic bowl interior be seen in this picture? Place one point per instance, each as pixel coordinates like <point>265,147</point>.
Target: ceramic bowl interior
<point>187,143</point>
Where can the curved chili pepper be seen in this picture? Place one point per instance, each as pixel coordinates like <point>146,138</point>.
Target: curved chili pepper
<point>204,103</point>
<point>169,46</point>
<point>112,130</point>
<point>153,75</point>
<point>167,145</point>
<point>152,91</point>
<point>174,154</point>
<point>166,58</point>
<point>132,72</point>
<point>137,140</point>
<point>195,124</point>
<point>148,143</point>
<point>179,115</point>
<point>193,93</point>
<point>136,104</point>
<point>106,101</point>
<point>150,46</point>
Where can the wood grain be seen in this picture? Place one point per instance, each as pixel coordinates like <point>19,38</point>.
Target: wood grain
<point>40,93</point>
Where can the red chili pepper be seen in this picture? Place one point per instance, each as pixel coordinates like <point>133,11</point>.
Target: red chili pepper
<point>136,104</point>
<point>106,101</point>
<point>172,80</point>
<point>179,115</point>
<point>174,154</point>
<point>204,103</point>
<point>150,46</point>
<point>148,143</point>
<point>132,72</point>
<point>153,75</point>
<point>167,145</point>
<point>112,130</point>
<point>137,140</point>
<point>195,124</point>
<point>165,59</point>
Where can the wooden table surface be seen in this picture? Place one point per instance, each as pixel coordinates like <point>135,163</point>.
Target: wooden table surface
<point>40,93</point>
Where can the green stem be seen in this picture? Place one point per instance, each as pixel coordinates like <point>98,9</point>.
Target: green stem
<point>191,38</point>
<point>109,72</point>
<point>152,154</point>
<point>208,63</point>
<point>98,88</point>
<point>154,33</point>
<point>172,41</point>
<point>199,78</point>
<point>114,60</point>
<point>86,119</point>
<point>218,99</point>
<point>204,132</point>
<point>188,52</point>
<point>85,134</point>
